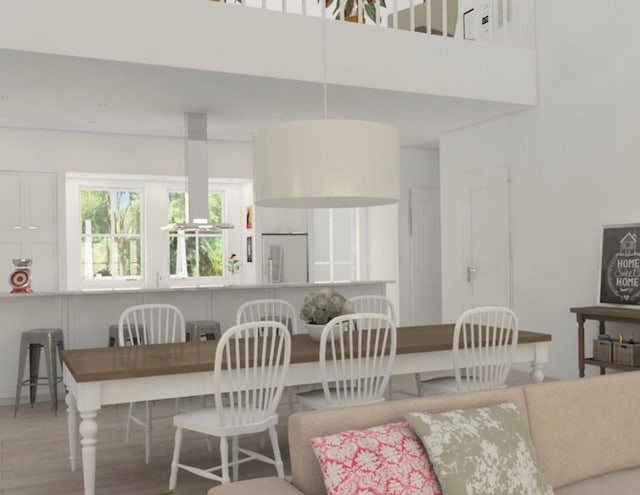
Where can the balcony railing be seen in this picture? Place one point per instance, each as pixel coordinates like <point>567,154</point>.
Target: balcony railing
<point>499,21</point>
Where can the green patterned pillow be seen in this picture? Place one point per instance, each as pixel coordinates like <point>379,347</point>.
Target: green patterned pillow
<point>483,451</point>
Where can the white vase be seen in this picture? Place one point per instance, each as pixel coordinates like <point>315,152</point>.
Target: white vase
<point>314,331</point>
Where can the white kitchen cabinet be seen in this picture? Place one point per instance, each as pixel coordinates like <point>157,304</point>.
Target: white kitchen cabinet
<point>29,225</point>
<point>281,219</point>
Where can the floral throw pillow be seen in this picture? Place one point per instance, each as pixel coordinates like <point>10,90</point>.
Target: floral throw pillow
<point>387,459</point>
<point>483,451</point>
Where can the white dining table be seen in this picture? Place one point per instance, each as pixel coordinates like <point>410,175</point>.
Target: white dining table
<point>115,375</point>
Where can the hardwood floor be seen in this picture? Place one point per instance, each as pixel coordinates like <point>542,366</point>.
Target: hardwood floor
<point>34,451</point>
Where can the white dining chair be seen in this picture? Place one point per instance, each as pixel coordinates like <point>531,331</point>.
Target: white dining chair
<point>268,309</point>
<point>377,304</point>
<point>250,366</point>
<point>373,304</point>
<point>148,324</point>
<point>274,310</point>
<point>485,340</point>
<point>356,354</point>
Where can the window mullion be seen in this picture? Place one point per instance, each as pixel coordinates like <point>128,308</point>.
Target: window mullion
<point>197,248</point>
<point>331,247</point>
<point>112,241</point>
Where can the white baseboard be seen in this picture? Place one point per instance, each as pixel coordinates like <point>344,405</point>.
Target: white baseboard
<point>548,372</point>
<point>7,397</point>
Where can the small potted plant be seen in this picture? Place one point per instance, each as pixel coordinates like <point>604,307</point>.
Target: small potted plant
<point>350,8</point>
<point>233,264</point>
<point>321,307</point>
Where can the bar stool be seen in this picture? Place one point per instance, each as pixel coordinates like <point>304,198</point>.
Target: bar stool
<point>113,333</point>
<point>31,341</point>
<point>196,329</point>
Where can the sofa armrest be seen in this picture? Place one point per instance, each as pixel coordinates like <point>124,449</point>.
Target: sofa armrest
<point>262,486</point>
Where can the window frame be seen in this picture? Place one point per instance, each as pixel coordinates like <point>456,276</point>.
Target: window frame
<point>155,242</point>
<point>178,280</point>
<point>112,235</point>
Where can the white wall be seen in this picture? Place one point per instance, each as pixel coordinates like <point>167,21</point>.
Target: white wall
<point>388,230</point>
<point>61,151</point>
<point>418,168</point>
<point>383,243</point>
<point>574,162</point>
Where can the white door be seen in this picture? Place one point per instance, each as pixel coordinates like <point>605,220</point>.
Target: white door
<point>426,292</point>
<point>487,238</point>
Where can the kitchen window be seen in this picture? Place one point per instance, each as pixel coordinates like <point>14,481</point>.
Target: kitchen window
<point>115,237</point>
<point>111,222</point>
<point>195,254</point>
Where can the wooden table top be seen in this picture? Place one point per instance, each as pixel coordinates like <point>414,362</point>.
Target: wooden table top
<point>607,312</point>
<point>112,363</point>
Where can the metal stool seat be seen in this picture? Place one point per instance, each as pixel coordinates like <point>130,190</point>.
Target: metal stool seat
<point>31,341</point>
<point>113,333</point>
<point>210,329</point>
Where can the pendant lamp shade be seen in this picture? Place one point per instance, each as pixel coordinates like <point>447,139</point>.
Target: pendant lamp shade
<point>326,163</point>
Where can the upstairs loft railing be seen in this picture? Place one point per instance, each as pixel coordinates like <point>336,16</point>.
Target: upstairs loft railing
<point>499,21</point>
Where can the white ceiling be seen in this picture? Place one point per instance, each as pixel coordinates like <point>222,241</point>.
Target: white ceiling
<point>69,93</point>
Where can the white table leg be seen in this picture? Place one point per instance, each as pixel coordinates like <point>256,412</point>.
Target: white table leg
<point>537,375</point>
<point>89,432</point>
<point>540,356</point>
<point>72,426</point>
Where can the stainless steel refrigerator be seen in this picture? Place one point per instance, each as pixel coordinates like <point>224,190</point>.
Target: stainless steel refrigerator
<point>285,257</point>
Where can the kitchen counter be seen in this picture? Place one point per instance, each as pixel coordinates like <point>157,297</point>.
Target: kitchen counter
<point>85,316</point>
<point>153,290</point>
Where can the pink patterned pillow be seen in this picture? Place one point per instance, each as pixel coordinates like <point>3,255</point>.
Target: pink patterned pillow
<point>380,460</point>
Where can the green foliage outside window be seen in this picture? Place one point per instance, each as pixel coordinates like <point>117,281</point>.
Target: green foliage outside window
<point>111,233</point>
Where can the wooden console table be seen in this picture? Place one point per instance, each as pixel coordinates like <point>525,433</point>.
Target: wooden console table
<point>602,314</point>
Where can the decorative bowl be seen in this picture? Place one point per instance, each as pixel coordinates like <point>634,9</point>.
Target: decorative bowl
<point>21,262</point>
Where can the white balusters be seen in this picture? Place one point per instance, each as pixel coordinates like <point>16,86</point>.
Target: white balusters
<point>412,15</point>
<point>395,14</point>
<point>445,8</point>
<point>509,21</point>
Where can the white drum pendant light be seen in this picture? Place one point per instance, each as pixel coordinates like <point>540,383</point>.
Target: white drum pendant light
<point>325,163</point>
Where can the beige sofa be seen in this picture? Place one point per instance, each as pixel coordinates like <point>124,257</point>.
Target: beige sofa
<point>586,433</point>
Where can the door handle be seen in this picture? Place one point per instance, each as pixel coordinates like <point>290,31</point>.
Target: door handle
<point>470,271</point>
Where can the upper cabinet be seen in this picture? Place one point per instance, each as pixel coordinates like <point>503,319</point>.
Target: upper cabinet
<point>28,225</point>
<point>28,201</point>
<point>281,220</point>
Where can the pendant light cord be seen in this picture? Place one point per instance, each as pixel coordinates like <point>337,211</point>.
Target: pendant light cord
<point>324,56</point>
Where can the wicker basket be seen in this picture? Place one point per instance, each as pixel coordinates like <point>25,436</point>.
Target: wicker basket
<point>627,354</point>
<point>602,350</point>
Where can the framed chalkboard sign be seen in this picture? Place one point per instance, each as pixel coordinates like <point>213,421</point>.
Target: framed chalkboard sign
<point>620,265</point>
